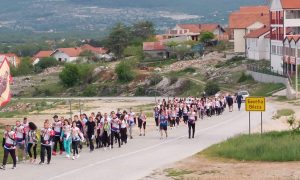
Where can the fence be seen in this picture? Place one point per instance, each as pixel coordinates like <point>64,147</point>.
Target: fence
<point>267,71</point>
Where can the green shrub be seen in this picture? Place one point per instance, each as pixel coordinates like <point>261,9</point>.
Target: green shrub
<point>90,91</point>
<point>70,76</point>
<point>25,67</point>
<point>140,91</point>
<point>125,72</point>
<point>244,77</point>
<point>86,73</point>
<point>45,63</point>
<point>155,79</point>
<point>212,88</point>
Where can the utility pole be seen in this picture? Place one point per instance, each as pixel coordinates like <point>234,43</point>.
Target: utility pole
<point>296,79</point>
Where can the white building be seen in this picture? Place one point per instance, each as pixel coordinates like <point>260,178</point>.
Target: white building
<point>285,20</point>
<point>245,20</point>
<point>66,54</point>
<point>258,44</point>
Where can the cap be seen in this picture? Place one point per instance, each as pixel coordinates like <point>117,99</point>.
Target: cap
<point>55,116</point>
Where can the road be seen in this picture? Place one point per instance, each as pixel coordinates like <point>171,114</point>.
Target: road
<point>141,155</point>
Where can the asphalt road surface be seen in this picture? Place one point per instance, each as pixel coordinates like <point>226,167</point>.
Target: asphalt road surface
<point>141,155</point>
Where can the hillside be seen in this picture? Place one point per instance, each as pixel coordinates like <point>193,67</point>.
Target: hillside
<point>169,78</point>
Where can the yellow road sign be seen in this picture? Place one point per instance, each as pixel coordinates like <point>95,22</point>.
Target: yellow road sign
<point>255,104</point>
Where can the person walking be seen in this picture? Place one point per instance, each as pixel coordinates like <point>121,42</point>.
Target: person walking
<point>123,129</point>
<point>115,130</point>
<point>106,132</point>
<point>57,127</point>
<point>66,137</point>
<point>239,99</point>
<point>32,141</point>
<point>76,136</point>
<point>163,124</point>
<point>191,122</point>
<point>9,145</point>
<point>20,140</point>
<point>47,135</point>
<point>131,122</point>
<point>142,122</point>
<point>90,131</point>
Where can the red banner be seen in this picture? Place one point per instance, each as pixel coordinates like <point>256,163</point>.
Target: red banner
<point>5,80</point>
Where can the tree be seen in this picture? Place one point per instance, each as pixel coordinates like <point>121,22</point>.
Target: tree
<point>70,76</point>
<point>206,36</point>
<point>212,88</point>
<point>143,29</point>
<point>46,63</point>
<point>118,39</point>
<point>24,68</point>
<point>125,72</point>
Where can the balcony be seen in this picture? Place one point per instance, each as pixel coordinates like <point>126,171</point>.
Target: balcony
<point>276,37</point>
<point>277,21</point>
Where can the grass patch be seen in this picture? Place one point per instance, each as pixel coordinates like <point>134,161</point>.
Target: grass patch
<point>188,70</point>
<point>236,60</point>
<point>177,172</point>
<point>190,88</point>
<point>272,146</point>
<point>284,112</point>
<point>266,89</point>
<point>158,63</point>
<point>281,98</point>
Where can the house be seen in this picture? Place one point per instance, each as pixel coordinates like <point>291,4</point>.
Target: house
<point>66,54</point>
<point>12,58</point>
<point>285,19</point>
<point>94,50</point>
<point>245,20</point>
<point>40,55</point>
<point>258,44</point>
<point>155,50</point>
<point>194,30</point>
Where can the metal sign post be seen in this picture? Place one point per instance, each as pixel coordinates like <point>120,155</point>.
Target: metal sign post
<point>257,104</point>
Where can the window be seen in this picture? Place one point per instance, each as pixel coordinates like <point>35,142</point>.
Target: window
<point>273,49</point>
<point>293,52</point>
<point>279,50</point>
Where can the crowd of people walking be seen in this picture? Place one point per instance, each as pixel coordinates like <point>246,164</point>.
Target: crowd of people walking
<point>68,136</point>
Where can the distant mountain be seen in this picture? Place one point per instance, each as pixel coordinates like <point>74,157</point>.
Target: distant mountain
<point>98,15</point>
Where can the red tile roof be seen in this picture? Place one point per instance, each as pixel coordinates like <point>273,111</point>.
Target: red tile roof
<point>97,50</point>
<point>290,4</point>
<point>43,54</point>
<point>247,16</point>
<point>257,33</point>
<point>72,52</point>
<point>197,28</point>
<point>254,9</point>
<point>153,46</point>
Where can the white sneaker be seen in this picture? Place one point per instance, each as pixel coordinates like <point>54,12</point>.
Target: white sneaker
<point>77,156</point>
<point>73,157</point>
<point>67,156</point>
<point>105,149</point>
